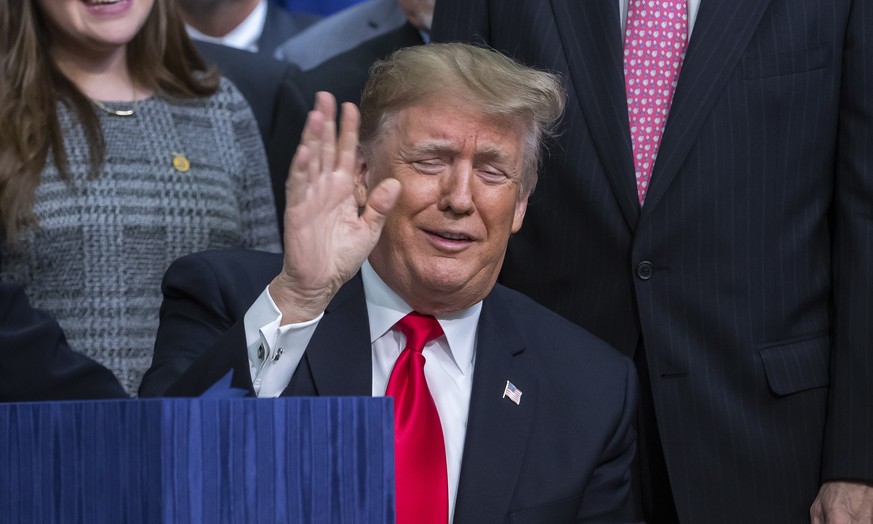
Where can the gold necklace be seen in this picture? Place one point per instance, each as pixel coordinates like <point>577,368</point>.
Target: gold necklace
<point>117,112</point>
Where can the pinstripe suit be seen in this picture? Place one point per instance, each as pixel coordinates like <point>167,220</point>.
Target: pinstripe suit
<point>746,275</point>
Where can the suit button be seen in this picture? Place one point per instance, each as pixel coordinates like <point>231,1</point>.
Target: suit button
<point>645,270</point>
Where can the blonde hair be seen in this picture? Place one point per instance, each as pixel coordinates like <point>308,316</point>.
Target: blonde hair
<point>490,81</point>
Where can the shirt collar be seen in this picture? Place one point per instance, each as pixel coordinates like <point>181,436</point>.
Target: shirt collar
<point>245,36</point>
<point>385,308</point>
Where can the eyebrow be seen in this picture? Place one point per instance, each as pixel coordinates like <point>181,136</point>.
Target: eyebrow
<point>433,146</point>
<point>485,153</point>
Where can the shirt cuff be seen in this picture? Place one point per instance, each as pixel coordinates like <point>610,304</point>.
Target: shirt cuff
<point>274,351</point>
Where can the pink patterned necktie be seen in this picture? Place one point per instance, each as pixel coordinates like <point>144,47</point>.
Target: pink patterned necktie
<point>654,46</point>
<point>419,450</point>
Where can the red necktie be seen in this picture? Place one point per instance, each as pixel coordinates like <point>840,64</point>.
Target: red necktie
<point>419,450</point>
<point>654,47</point>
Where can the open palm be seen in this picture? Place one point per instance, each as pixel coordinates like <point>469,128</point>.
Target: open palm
<point>328,234</point>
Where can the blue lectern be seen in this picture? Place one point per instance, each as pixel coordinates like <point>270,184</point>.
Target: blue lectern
<point>206,460</point>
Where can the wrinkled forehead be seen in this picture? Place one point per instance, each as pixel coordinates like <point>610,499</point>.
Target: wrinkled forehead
<point>464,109</point>
<point>452,126</point>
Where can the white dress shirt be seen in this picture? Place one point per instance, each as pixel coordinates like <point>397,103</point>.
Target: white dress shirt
<point>245,36</point>
<point>448,368</point>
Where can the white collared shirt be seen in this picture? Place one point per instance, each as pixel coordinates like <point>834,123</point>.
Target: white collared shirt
<point>245,36</point>
<point>448,368</point>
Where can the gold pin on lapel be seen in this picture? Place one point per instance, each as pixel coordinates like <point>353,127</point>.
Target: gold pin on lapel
<point>181,163</point>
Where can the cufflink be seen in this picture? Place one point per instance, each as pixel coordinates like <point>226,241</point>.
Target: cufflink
<point>261,352</point>
<point>278,354</point>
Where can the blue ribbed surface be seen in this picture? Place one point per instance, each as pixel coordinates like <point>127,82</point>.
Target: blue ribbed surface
<point>197,460</point>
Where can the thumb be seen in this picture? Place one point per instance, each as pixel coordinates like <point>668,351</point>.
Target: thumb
<point>380,202</point>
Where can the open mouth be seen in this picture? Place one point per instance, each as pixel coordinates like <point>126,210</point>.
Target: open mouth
<point>449,241</point>
<point>452,236</point>
<point>100,3</point>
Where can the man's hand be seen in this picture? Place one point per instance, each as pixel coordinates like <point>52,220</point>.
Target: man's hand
<point>326,237</point>
<point>843,503</point>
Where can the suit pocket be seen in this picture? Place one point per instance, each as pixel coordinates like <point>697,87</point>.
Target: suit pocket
<point>798,365</point>
<point>787,63</point>
<point>553,512</point>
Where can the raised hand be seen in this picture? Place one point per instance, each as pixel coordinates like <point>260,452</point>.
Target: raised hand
<point>843,503</point>
<point>328,233</point>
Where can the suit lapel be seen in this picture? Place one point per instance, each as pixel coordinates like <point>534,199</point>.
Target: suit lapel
<point>721,33</point>
<point>338,358</point>
<point>271,34</point>
<point>590,32</point>
<point>497,428</point>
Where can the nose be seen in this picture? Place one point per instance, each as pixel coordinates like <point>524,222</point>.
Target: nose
<point>456,189</point>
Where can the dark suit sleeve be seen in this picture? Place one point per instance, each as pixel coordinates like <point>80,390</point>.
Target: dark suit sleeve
<point>849,433</point>
<point>35,361</point>
<point>191,317</point>
<point>608,496</point>
<point>199,317</point>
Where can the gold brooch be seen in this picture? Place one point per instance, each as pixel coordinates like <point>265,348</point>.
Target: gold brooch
<point>181,163</point>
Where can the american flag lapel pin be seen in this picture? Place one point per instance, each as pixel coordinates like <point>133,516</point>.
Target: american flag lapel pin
<point>512,392</point>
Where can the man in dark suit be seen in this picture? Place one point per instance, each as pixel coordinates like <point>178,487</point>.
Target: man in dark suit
<point>741,285</point>
<point>35,361</point>
<point>528,417</point>
<point>257,26</point>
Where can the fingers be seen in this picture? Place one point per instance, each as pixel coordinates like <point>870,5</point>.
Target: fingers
<point>304,163</point>
<point>323,111</point>
<point>326,104</point>
<point>320,130</point>
<point>348,138</point>
<point>331,152</point>
<point>380,202</point>
<point>321,151</point>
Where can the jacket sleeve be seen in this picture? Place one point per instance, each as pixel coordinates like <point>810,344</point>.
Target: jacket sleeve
<point>609,495</point>
<point>35,361</point>
<point>848,453</point>
<point>201,333</point>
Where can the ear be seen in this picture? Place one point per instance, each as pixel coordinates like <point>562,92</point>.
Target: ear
<point>520,209</point>
<point>361,188</point>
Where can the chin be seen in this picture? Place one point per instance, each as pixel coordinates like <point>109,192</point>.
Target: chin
<point>455,282</point>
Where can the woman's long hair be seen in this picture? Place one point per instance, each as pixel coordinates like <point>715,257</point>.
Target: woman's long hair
<point>160,58</point>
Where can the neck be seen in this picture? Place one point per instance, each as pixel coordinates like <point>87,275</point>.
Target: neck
<point>99,76</point>
<point>219,19</point>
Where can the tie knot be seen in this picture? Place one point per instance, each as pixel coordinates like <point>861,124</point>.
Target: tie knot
<point>419,330</point>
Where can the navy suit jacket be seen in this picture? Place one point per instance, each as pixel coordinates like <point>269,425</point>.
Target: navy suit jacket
<point>35,361</point>
<point>562,455</point>
<point>746,275</point>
